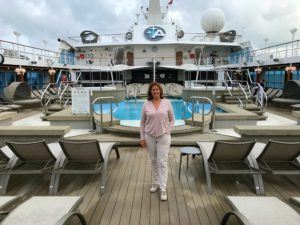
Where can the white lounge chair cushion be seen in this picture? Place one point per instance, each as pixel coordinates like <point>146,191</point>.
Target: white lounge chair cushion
<point>5,200</point>
<point>265,210</point>
<point>42,210</point>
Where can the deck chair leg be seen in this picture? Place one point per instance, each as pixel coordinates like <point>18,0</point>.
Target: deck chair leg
<point>103,177</point>
<point>258,182</point>
<point>55,177</point>
<point>6,177</point>
<point>207,172</point>
<point>104,168</point>
<point>56,183</point>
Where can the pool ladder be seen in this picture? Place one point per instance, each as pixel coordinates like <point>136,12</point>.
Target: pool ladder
<point>101,100</point>
<point>203,100</point>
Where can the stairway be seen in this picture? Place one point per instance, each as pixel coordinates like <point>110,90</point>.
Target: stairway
<point>234,99</point>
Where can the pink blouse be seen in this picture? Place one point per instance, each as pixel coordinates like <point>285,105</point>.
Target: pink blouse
<point>157,122</point>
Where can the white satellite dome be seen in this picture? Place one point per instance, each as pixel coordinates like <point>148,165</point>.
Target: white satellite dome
<point>212,20</point>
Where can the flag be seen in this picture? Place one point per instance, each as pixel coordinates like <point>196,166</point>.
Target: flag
<point>170,2</point>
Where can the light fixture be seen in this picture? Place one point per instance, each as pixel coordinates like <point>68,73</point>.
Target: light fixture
<point>258,70</point>
<point>51,72</point>
<point>20,71</point>
<point>290,68</point>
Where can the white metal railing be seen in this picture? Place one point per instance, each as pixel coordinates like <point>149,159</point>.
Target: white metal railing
<point>272,53</point>
<point>261,98</point>
<point>101,100</point>
<point>203,100</point>
<point>24,53</point>
<point>246,97</point>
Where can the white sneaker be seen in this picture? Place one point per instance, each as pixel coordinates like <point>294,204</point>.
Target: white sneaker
<point>163,196</point>
<point>154,188</point>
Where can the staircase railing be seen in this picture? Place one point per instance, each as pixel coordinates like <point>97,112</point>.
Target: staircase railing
<point>241,88</point>
<point>47,97</point>
<point>228,78</point>
<point>64,96</point>
<point>261,98</point>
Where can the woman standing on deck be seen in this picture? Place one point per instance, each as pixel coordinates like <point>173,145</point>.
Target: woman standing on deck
<point>156,124</point>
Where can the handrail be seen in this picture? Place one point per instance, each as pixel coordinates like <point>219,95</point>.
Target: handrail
<point>246,96</point>
<point>260,97</point>
<point>44,94</point>
<point>203,100</point>
<point>66,87</point>
<point>226,85</point>
<point>46,97</point>
<point>101,110</point>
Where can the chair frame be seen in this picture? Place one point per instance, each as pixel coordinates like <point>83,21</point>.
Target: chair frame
<point>240,213</point>
<point>61,220</point>
<point>17,161</point>
<point>63,166</point>
<point>265,165</point>
<point>211,166</point>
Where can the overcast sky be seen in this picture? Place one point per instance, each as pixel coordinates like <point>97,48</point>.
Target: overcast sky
<point>39,20</point>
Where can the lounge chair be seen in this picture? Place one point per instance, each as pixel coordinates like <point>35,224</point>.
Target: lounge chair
<point>6,201</point>
<point>295,201</point>
<point>261,211</point>
<point>28,158</point>
<point>83,157</point>
<point>4,159</point>
<point>230,157</point>
<point>280,158</point>
<point>46,210</point>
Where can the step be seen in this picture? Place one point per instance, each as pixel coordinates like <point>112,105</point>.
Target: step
<point>252,107</point>
<point>235,97</point>
<point>135,131</point>
<point>237,101</point>
<point>234,93</point>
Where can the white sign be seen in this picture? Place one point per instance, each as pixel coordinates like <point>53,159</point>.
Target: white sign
<point>81,101</point>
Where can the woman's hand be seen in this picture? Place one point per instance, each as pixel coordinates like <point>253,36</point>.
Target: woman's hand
<point>143,143</point>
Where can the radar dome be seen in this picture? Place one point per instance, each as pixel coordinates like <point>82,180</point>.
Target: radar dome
<point>212,20</point>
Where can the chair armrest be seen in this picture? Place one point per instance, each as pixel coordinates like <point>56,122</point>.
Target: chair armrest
<point>68,216</point>
<point>238,215</point>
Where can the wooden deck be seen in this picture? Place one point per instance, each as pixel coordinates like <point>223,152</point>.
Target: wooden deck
<point>127,199</point>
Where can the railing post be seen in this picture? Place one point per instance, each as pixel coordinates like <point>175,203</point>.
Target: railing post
<point>100,99</point>
<point>193,111</point>
<point>111,117</point>
<point>101,117</point>
<point>213,111</point>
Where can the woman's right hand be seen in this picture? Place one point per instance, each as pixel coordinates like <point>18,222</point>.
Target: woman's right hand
<point>143,143</point>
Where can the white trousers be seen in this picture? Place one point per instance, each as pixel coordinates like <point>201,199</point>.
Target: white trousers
<point>158,150</point>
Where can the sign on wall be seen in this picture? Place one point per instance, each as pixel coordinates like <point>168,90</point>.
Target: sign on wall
<point>154,33</point>
<point>81,101</point>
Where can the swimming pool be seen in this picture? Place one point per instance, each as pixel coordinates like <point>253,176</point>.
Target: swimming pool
<point>131,110</point>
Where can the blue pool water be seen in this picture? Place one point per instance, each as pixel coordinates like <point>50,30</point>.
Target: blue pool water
<point>131,110</point>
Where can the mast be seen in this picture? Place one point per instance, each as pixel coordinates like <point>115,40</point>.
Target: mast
<point>154,13</point>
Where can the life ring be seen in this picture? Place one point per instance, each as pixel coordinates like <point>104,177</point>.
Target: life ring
<point>1,59</point>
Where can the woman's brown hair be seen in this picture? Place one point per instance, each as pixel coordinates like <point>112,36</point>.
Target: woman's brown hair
<point>151,85</point>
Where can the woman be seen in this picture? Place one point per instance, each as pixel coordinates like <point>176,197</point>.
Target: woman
<point>156,125</point>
